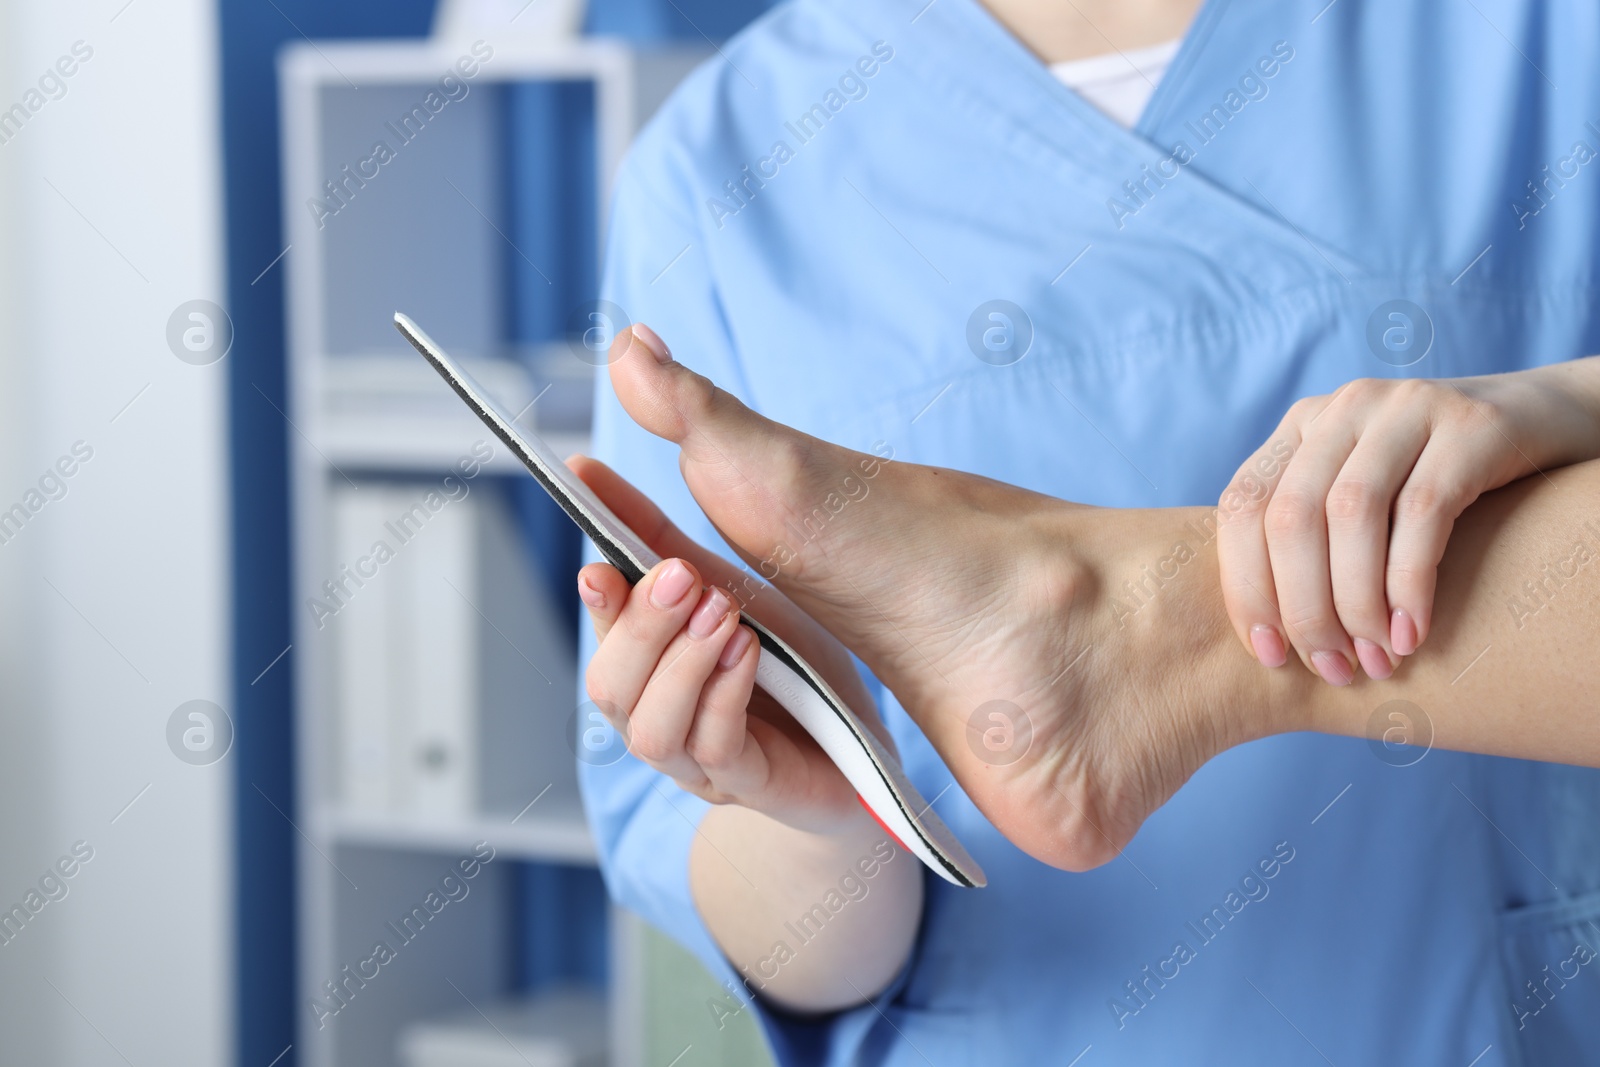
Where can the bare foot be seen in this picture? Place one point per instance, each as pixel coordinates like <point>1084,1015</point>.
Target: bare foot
<point>1068,705</point>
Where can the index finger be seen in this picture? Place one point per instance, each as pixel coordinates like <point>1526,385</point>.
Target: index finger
<point>1248,590</point>
<point>763,602</point>
<point>643,517</point>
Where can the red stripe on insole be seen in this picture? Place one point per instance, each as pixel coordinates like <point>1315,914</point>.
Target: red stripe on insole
<point>881,824</point>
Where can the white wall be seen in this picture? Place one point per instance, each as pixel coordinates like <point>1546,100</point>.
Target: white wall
<point>113,606</point>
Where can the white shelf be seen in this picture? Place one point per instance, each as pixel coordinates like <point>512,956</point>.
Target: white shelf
<point>391,412</point>
<point>428,236</point>
<point>413,445</point>
<point>558,835</point>
<point>342,64</point>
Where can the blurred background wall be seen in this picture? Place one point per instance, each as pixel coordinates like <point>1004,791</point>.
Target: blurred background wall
<point>114,577</point>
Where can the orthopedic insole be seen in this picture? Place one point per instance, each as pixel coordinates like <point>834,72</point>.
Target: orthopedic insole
<point>871,768</point>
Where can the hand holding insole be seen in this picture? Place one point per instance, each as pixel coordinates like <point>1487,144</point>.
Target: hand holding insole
<point>871,769</point>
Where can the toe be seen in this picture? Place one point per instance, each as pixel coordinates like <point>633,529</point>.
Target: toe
<point>751,475</point>
<point>793,507</point>
<point>675,403</point>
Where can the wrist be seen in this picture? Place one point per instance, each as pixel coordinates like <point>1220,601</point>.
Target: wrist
<point>1580,379</point>
<point>808,829</point>
<point>758,883</point>
<point>1552,412</point>
<point>838,816</point>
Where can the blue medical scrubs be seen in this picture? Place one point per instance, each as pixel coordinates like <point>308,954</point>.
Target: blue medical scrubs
<point>887,222</point>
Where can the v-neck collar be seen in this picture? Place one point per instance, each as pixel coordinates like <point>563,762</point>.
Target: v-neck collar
<point>1182,66</point>
<point>970,20</point>
<point>958,48</point>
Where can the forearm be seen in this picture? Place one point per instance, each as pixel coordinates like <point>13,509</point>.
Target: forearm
<point>1509,667</point>
<point>814,922</point>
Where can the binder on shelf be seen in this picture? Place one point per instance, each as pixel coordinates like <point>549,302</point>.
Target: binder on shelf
<point>455,677</point>
<point>434,629</point>
<point>365,732</point>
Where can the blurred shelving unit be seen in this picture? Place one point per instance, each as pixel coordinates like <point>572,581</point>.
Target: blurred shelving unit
<point>437,229</point>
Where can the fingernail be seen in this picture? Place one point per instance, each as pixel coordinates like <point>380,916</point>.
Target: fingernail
<point>735,649</point>
<point>672,585</point>
<point>1268,645</point>
<point>1334,668</point>
<point>1402,632</point>
<point>653,342</point>
<point>590,595</point>
<point>709,615</point>
<point>1374,660</point>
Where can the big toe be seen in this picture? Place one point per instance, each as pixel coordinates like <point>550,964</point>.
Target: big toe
<point>735,461</point>
<point>749,474</point>
<point>675,403</point>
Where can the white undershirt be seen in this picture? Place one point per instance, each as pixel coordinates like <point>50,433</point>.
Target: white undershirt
<point>1119,83</point>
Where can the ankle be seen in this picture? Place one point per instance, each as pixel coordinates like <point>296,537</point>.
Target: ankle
<point>1159,599</point>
